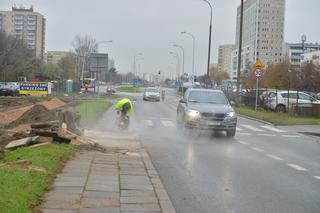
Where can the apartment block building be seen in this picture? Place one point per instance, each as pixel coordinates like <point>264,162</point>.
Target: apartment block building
<point>294,51</point>
<point>25,24</point>
<point>224,58</point>
<point>263,29</point>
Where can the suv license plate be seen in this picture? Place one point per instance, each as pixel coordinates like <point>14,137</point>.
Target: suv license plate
<point>213,123</point>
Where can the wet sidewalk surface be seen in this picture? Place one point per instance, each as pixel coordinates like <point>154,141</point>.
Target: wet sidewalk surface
<point>113,181</point>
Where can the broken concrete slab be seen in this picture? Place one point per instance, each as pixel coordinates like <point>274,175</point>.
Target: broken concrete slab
<point>19,143</point>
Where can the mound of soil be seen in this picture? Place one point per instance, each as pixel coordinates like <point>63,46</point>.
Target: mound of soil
<point>37,113</point>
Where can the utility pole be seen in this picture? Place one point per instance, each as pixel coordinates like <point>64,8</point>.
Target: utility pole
<point>210,29</point>
<point>239,55</point>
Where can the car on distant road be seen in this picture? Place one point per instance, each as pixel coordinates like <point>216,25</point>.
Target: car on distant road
<point>279,101</point>
<point>151,94</point>
<point>207,109</point>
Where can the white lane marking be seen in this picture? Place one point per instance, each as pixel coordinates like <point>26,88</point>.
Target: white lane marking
<point>273,129</point>
<point>297,167</point>
<point>317,177</point>
<point>274,157</point>
<point>252,128</point>
<point>267,135</point>
<point>257,149</point>
<point>239,129</point>
<point>244,143</point>
<point>243,133</point>
<point>147,122</point>
<point>167,123</point>
<point>291,136</point>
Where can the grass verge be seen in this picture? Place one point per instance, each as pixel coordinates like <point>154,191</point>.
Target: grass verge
<point>179,93</point>
<point>277,118</point>
<point>128,89</point>
<point>21,188</point>
<point>91,110</point>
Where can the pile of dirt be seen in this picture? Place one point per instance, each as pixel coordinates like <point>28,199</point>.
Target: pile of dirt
<point>37,113</point>
<point>53,104</point>
<point>8,103</point>
<point>11,115</point>
<point>40,112</point>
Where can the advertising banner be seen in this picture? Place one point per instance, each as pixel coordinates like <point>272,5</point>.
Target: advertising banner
<point>35,88</point>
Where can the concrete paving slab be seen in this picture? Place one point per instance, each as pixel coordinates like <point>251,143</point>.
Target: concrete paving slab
<point>91,182</point>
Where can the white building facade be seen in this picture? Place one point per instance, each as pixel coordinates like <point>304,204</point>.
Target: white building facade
<point>294,51</point>
<point>262,35</point>
<point>224,58</point>
<point>311,57</point>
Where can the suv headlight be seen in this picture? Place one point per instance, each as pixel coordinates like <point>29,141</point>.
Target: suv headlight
<point>193,113</point>
<point>231,114</point>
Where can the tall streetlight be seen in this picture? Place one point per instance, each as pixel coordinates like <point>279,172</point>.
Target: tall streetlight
<point>138,59</point>
<point>210,29</point>
<point>181,47</point>
<point>176,55</point>
<point>193,51</point>
<point>239,55</point>
<point>98,76</point>
<point>134,62</point>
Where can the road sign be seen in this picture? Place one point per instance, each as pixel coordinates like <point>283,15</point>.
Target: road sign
<point>258,64</point>
<point>258,73</point>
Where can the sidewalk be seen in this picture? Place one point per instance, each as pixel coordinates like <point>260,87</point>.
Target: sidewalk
<point>305,129</point>
<point>121,179</point>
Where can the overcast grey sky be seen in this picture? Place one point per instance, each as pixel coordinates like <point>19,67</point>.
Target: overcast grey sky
<point>152,26</point>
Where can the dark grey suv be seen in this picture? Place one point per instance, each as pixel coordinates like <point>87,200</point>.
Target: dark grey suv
<point>207,109</point>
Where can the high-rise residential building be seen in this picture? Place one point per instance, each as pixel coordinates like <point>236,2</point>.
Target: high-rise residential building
<point>27,25</point>
<point>263,29</point>
<point>224,58</point>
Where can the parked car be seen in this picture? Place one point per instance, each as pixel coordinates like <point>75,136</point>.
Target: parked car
<point>318,96</point>
<point>207,109</point>
<point>279,101</point>
<point>110,90</point>
<point>312,94</point>
<point>151,94</point>
<point>9,92</point>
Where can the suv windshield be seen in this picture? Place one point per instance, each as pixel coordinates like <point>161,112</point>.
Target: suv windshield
<point>207,97</point>
<point>152,90</point>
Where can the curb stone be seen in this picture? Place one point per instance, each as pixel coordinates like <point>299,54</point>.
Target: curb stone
<point>163,197</point>
<point>257,120</point>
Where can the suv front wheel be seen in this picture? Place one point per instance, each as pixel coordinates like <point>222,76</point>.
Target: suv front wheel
<point>281,108</point>
<point>231,132</point>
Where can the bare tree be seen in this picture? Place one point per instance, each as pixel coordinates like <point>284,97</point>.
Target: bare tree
<point>15,58</point>
<point>83,47</point>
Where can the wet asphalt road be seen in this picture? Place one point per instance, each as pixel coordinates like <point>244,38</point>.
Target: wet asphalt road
<point>263,169</point>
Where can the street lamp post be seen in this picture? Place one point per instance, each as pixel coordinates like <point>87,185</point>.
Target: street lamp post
<point>138,59</point>
<point>193,51</point>
<point>176,55</point>
<point>134,62</point>
<point>181,47</point>
<point>239,54</point>
<point>98,75</point>
<point>210,29</point>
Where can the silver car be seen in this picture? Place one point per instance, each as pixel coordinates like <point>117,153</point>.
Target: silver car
<point>151,94</point>
<point>207,109</point>
<point>279,101</point>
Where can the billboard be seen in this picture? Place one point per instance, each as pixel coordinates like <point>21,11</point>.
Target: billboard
<point>98,62</point>
<point>35,88</point>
